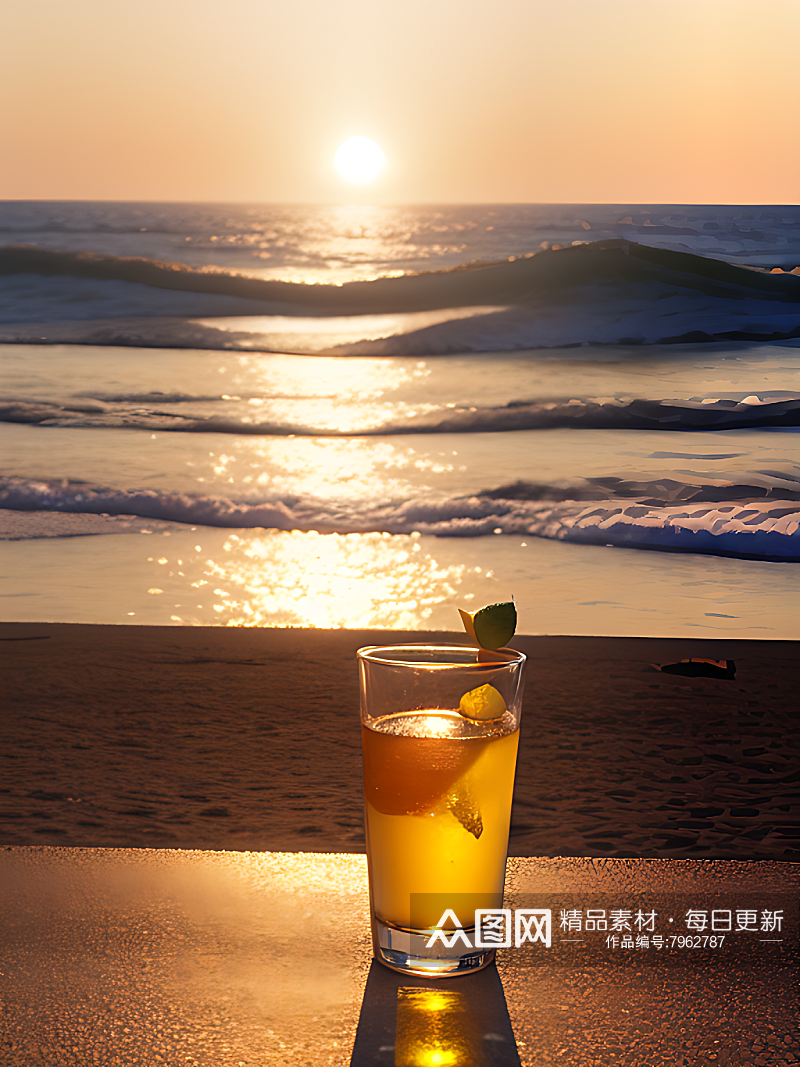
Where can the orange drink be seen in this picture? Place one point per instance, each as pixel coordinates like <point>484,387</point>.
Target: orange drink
<point>438,785</point>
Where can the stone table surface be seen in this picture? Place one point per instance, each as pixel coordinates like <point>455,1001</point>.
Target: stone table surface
<point>166,957</point>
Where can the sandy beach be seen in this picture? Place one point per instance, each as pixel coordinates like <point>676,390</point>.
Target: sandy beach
<point>228,738</point>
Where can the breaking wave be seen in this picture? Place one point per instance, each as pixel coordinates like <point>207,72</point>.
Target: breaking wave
<point>606,292</point>
<point>767,528</point>
<point>162,412</point>
<point>475,283</point>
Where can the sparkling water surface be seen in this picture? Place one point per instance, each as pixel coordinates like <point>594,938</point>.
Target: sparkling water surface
<point>339,443</point>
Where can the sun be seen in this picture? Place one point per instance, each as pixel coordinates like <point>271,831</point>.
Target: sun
<point>359,160</point>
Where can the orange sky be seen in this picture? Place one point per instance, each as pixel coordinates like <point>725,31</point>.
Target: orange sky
<point>604,101</point>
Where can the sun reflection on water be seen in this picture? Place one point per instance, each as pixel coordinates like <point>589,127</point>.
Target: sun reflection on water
<point>350,242</point>
<point>318,393</point>
<point>327,377</point>
<point>329,415</point>
<point>330,581</point>
<point>322,468</point>
<point>331,334</point>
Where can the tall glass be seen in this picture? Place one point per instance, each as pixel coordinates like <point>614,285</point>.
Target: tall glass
<point>438,782</point>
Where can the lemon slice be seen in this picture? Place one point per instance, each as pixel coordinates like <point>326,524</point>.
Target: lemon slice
<point>483,703</point>
<point>462,807</point>
<point>491,627</point>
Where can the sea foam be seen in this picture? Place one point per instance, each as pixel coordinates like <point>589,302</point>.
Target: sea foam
<point>767,528</point>
<point>174,413</point>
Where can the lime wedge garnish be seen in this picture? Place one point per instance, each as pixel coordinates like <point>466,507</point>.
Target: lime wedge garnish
<point>491,627</point>
<point>482,703</point>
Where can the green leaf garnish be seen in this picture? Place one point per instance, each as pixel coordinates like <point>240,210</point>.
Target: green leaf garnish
<point>492,626</point>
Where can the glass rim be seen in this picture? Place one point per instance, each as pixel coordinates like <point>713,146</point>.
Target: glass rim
<point>372,654</point>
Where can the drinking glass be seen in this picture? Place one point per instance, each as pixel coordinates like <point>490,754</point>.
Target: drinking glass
<point>438,784</point>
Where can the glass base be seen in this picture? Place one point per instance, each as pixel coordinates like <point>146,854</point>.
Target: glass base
<point>406,951</point>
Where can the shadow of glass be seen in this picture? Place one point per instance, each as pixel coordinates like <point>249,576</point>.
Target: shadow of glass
<point>421,1022</point>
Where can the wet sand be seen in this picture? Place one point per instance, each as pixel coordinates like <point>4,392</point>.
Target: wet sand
<point>221,738</point>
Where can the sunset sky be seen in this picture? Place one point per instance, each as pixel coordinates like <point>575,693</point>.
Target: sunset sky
<point>604,101</point>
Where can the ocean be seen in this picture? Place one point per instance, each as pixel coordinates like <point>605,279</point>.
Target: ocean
<point>364,417</point>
